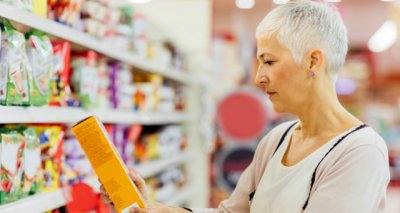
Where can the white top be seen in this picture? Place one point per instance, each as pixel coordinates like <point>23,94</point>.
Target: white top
<point>351,179</point>
<point>284,189</point>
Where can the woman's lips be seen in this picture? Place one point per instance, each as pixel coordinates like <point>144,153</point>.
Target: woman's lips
<point>271,93</point>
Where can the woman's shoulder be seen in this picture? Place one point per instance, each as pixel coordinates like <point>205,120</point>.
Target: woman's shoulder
<point>365,143</point>
<point>366,137</point>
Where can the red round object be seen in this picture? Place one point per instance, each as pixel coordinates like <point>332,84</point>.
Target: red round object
<point>83,198</point>
<point>242,116</point>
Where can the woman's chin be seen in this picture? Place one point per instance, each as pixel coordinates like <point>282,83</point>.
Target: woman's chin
<point>278,108</point>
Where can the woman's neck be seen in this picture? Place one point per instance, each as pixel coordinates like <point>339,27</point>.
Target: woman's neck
<point>324,116</point>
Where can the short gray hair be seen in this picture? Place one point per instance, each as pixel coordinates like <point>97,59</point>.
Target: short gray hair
<point>303,25</point>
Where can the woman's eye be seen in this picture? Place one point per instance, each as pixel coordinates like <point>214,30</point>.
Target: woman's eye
<point>268,62</point>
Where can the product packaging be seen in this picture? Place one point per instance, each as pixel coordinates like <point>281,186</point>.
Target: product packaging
<point>134,132</point>
<point>40,54</point>
<point>68,12</point>
<point>12,146</point>
<point>24,4</point>
<point>3,67</point>
<point>104,84</point>
<point>107,164</point>
<point>21,4</point>
<point>32,162</point>
<point>60,83</point>
<point>85,78</point>
<point>16,65</point>
<point>40,8</point>
<point>51,145</point>
<point>76,162</point>
<point>122,90</point>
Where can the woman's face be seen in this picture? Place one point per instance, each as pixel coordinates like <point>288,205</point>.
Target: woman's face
<point>280,76</point>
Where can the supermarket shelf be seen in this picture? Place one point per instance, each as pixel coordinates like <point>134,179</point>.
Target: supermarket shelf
<point>147,170</point>
<point>51,200</point>
<point>38,203</point>
<point>85,40</point>
<point>152,168</point>
<point>181,197</point>
<point>15,114</point>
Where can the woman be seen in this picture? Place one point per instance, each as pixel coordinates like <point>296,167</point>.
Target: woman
<point>328,160</point>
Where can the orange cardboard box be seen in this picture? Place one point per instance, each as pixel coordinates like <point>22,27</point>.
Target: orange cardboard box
<point>107,164</point>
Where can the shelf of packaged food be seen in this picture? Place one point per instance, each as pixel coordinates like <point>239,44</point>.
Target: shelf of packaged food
<point>85,40</point>
<point>147,170</point>
<point>37,203</point>
<point>15,114</point>
<point>180,197</point>
<point>51,200</point>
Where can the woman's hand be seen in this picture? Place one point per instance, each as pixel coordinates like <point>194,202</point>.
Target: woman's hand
<point>152,207</point>
<point>155,207</point>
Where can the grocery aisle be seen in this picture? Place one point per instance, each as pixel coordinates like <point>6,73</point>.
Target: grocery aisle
<point>62,61</point>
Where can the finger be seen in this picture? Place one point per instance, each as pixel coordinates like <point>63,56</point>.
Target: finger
<point>102,189</point>
<point>139,182</point>
<point>106,199</point>
<point>138,210</point>
<point>133,170</point>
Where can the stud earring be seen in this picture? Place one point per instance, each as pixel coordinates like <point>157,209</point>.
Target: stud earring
<point>312,73</point>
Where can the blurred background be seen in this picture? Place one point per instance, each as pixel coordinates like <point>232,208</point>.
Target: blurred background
<point>173,80</point>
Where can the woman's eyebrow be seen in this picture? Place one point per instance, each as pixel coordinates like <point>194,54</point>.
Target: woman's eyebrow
<point>261,56</point>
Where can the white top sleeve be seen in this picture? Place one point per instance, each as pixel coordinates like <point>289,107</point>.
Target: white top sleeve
<point>357,184</point>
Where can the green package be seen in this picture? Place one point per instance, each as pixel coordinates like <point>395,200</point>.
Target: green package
<point>86,83</point>
<point>40,54</point>
<point>3,68</point>
<point>16,66</point>
<point>12,145</point>
<point>31,162</point>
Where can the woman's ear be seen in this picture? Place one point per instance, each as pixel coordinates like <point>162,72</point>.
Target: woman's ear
<point>316,59</point>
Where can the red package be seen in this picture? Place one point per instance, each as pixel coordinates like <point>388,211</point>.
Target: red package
<point>60,85</point>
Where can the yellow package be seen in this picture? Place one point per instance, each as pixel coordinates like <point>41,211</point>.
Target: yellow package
<point>40,8</point>
<point>107,164</point>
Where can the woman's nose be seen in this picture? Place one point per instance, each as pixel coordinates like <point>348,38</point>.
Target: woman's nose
<point>261,77</point>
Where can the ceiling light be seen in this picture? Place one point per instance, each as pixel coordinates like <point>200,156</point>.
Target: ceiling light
<point>139,1</point>
<point>384,37</point>
<point>245,4</point>
<point>281,1</point>
<point>334,1</point>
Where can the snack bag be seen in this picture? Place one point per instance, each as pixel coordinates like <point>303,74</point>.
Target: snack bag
<point>60,87</point>
<point>40,54</point>
<point>51,144</point>
<point>40,8</point>
<point>32,162</point>
<point>3,68</point>
<point>16,65</point>
<point>86,80</point>
<point>69,12</point>
<point>11,169</point>
<point>24,4</point>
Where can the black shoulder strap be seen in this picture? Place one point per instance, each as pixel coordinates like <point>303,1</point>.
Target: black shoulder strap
<point>283,137</point>
<point>251,195</point>
<point>326,154</point>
